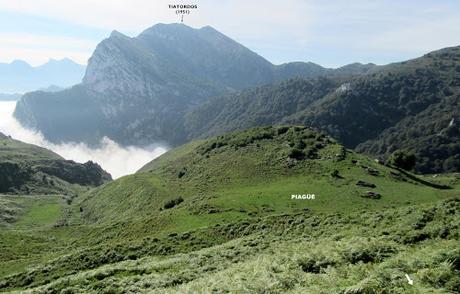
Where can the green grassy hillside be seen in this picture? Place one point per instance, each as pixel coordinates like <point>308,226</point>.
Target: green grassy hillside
<point>253,173</point>
<point>358,252</point>
<point>219,215</point>
<point>14,150</point>
<point>29,169</point>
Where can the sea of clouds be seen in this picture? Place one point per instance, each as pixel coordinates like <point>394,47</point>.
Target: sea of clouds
<point>112,157</point>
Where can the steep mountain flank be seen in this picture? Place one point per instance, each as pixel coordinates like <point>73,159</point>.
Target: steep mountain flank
<point>433,135</point>
<point>260,106</point>
<point>355,109</point>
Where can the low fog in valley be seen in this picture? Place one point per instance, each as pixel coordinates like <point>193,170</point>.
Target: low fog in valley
<point>117,160</point>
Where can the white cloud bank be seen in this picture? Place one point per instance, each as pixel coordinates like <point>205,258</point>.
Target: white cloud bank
<point>115,159</point>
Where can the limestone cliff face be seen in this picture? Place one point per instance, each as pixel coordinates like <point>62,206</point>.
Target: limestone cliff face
<point>119,64</point>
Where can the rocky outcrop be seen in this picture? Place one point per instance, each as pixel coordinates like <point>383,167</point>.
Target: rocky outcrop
<point>365,184</point>
<point>87,174</point>
<point>371,195</point>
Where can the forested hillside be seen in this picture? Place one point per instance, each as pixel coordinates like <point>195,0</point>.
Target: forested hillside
<point>392,107</point>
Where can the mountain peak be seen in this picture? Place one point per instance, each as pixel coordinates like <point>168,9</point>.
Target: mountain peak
<point>117,34</point>
<point>208,27</point>
<point>166,28</point>
<point>64,60</point>
<point>19,62</point>
<point>203,54</point>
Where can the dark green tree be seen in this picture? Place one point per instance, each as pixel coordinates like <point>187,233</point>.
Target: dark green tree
<point>402,159</point>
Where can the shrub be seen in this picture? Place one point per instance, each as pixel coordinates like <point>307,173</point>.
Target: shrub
<point>296,154</point>
<point>315,264</point>
<point>262,136</point>
<point>403,160</point>
<point>441,275</point>
<point>335,174</point>
<point>173,202</point>
<point>301,144</point>
<point>282,130</point>
<point>368,251</point>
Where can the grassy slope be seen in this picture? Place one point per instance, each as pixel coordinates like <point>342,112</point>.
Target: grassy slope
<point>25,237</point>
<point>237,201</point>
<point>35,208</point>
<point>29,169</point>
<point>14,151</point>
<point>360,252</point>
<point>240,180</point>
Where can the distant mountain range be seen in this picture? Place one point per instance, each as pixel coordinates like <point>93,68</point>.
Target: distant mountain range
<point>10,97</point>
<point>173,83</point>
<point>20,77</point>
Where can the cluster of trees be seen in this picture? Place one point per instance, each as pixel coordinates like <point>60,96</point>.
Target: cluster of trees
<point>401,159</point>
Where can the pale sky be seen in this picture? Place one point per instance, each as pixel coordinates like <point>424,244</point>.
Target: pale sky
<point>328,32</point>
